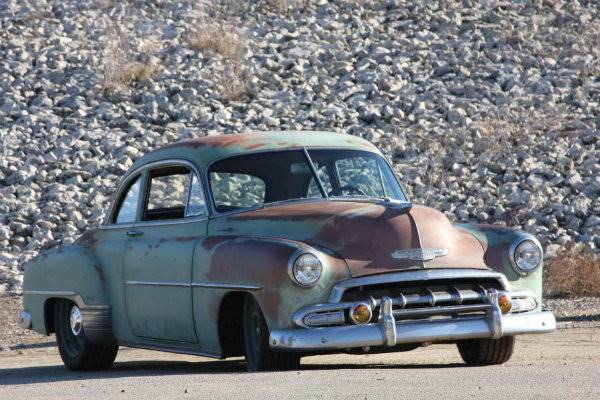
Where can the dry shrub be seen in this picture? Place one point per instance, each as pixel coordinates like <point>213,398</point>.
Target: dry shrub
<point>575,272</point>
<point>124,61</point>
<point>223,39</point>
<point>234,82</point>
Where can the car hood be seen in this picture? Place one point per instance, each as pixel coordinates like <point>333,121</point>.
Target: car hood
<point>372,237</point>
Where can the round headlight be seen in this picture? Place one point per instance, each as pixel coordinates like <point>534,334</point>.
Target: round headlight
<point>527,256</point>
<point>306,269</point>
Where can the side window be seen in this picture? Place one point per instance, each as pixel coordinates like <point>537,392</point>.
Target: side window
<point>168,190</point>
<point>232,191</point>
<point>129,203</point>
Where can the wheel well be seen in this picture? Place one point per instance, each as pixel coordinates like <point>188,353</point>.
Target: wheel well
<point>231,313</point>
<point>49,307</point>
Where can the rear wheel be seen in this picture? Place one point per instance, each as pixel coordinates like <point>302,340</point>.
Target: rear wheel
<point>259,356</point>
<point>486,351</point>
<point>78,353</point>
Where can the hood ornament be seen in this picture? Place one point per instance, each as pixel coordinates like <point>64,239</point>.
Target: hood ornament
<point>419,254</point>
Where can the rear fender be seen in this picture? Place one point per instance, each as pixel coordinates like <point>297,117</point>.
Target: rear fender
<point>70,272</point>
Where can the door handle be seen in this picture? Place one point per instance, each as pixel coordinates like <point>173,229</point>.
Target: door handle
<point>134,233</point>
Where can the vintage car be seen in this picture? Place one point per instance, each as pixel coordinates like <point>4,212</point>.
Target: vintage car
<point>277,245</point>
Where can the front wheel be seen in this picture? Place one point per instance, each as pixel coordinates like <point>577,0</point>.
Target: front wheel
<point>486,351</point>
<point>76,351</point>
<point>259,356</point>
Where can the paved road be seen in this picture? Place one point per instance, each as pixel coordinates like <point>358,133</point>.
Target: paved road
<point>562,365</point>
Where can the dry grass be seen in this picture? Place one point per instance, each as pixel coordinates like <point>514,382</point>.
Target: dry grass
<point>123,61</point>
<point>222,36</point>
<point>234,82</point>
<point>219,37</point>
<point>576,272</point>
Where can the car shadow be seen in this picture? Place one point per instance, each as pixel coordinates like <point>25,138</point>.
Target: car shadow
<point>58,373</point>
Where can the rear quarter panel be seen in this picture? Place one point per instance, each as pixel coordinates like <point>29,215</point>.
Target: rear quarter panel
<point>70,272</point>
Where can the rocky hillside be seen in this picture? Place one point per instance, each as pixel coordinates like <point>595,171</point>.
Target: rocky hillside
<point>489,110</point>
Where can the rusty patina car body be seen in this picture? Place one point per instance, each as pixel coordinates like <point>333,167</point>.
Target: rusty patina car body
<point>215,265</point>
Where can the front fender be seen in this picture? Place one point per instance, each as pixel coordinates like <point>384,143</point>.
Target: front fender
<point>496,242</point>
<point>70,272</point>
<point>263,262</point>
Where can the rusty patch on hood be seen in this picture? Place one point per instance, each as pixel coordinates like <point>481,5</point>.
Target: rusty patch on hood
<point>367,234</point>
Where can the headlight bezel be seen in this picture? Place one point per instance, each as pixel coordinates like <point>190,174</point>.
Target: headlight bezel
<point>292,262</point>
<point>513,252</point>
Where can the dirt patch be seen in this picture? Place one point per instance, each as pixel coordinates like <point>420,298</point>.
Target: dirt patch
<point>12,336</point>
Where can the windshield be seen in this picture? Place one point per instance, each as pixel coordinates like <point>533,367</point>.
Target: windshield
<point>255,180</point>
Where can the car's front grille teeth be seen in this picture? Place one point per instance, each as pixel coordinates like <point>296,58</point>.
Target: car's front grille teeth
<point>415,301</point>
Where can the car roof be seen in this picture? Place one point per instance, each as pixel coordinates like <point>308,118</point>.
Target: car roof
<point>207,149</point>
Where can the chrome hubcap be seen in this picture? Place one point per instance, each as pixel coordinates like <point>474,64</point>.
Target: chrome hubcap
<point>75,321</point>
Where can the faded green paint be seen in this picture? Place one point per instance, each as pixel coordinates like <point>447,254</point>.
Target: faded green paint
<point>250,248</point>
<point>496,241</point>
<point>208,149</point>
<point>54,271</point>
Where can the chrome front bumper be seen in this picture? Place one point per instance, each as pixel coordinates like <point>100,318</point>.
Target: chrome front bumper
<point>388,332</point>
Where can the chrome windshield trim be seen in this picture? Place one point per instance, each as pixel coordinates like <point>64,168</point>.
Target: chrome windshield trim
<point>417,275</point>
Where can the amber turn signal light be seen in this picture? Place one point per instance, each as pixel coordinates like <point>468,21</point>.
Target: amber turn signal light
<point>360,313</point>
<point>504,303</point>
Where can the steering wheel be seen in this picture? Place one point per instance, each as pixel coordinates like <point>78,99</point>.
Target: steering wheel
<point>350,189</point>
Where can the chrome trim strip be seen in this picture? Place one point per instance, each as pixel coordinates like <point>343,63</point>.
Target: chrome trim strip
<point>414,275</point>
<point>376,334</point>
<point>217,285</point>
<point>207,285</point>
<point>76,297</point>
<point>50,292</point>
<point>148,283</point>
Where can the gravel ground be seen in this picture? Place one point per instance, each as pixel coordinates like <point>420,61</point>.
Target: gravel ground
<point>489,110</point>
<point>560,365</point>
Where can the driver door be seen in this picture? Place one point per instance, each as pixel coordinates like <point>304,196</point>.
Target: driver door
<point>159,254</point>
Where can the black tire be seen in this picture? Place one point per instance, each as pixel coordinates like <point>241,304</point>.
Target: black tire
<point>78,353</point>
<point>258,354</point>
<point>486,351</point>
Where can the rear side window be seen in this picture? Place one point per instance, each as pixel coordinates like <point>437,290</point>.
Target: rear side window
<point>129,203</point>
